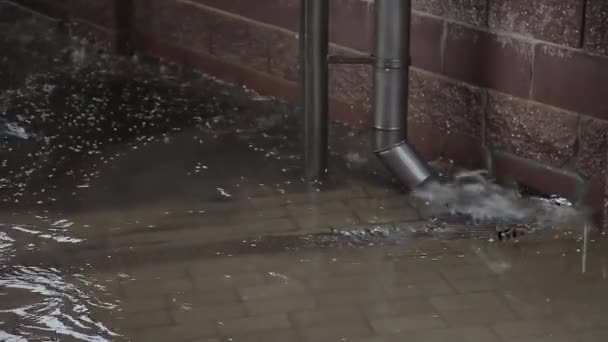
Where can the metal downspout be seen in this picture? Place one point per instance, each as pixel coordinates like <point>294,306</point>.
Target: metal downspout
<point>314,42</point>
<point>391,76</point>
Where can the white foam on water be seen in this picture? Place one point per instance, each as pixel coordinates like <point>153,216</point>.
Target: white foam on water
<point>473,195</point>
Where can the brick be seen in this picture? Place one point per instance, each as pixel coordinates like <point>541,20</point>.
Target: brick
<point>254,324</point>
<point>531,130</point>
<point>280,305</point>
<point>352,23</point>
<point>508,167</point>
<point>488,60</point>
<point>586,78</point>
<point>472,12</point>
<point>557,21</point>
<point>100,12</point>
<point>596,28</point>
<point>281,13</point>
<point>239,42</point>
<point>283,54</point>
<point>157,18</point>
<point>196,26</point>
<point>53,8</point>
<point>352,84</point>
<point>395,325</point>
<point>425,137</point>
<point>451,106</point>
<point>593,144</point>
<point>464,150</point>
<point>425,51</point>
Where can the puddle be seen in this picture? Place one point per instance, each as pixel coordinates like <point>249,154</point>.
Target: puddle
<point>120,219</point>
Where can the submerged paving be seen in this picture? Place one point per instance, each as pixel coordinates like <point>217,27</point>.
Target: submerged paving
<point>144,201</point>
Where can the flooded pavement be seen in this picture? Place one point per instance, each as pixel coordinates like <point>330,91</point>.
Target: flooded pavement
<point>142,201</point>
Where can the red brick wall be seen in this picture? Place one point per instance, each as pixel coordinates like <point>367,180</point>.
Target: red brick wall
<point>526,80</point>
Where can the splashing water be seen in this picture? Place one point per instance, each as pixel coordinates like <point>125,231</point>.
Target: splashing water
<point>471,194</point>
<point>46,303</point>
<point>57,304</point>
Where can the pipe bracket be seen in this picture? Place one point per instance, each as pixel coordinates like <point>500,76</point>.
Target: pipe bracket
<point>389,63</point>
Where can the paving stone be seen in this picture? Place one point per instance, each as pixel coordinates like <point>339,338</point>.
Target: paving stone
<point>188,314</point>
<point>317,208</point>
<point>388,215</point>
<point>222,266</point>
<point>155,288</point>
<point>348,296</point>
<point>204,298</point>
<point>280,304</point>
<point>398,308</point>
<point>478,284</point>
<point>258,214</point>
<point>328,316</point>
<point>334,332</point>
<point>593,336</point>
<point>470,334</point>
<point>363,268</point>
<point>271,291</point>
<point>138,321</point>
<point>529,329</point>
<point>218,282</point>
<point>144,304</point>
<point>201,331</point>
<point>467,318</point>
<point>475,301</point>
<point>271,336</point>
<point>395,325</point>
<point>254,324</point>
<point>263,227</point>
<point>325,222</point>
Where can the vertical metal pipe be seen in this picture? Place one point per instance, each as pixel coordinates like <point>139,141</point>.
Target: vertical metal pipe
<point>314,44</point>
<point>391,75</point>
